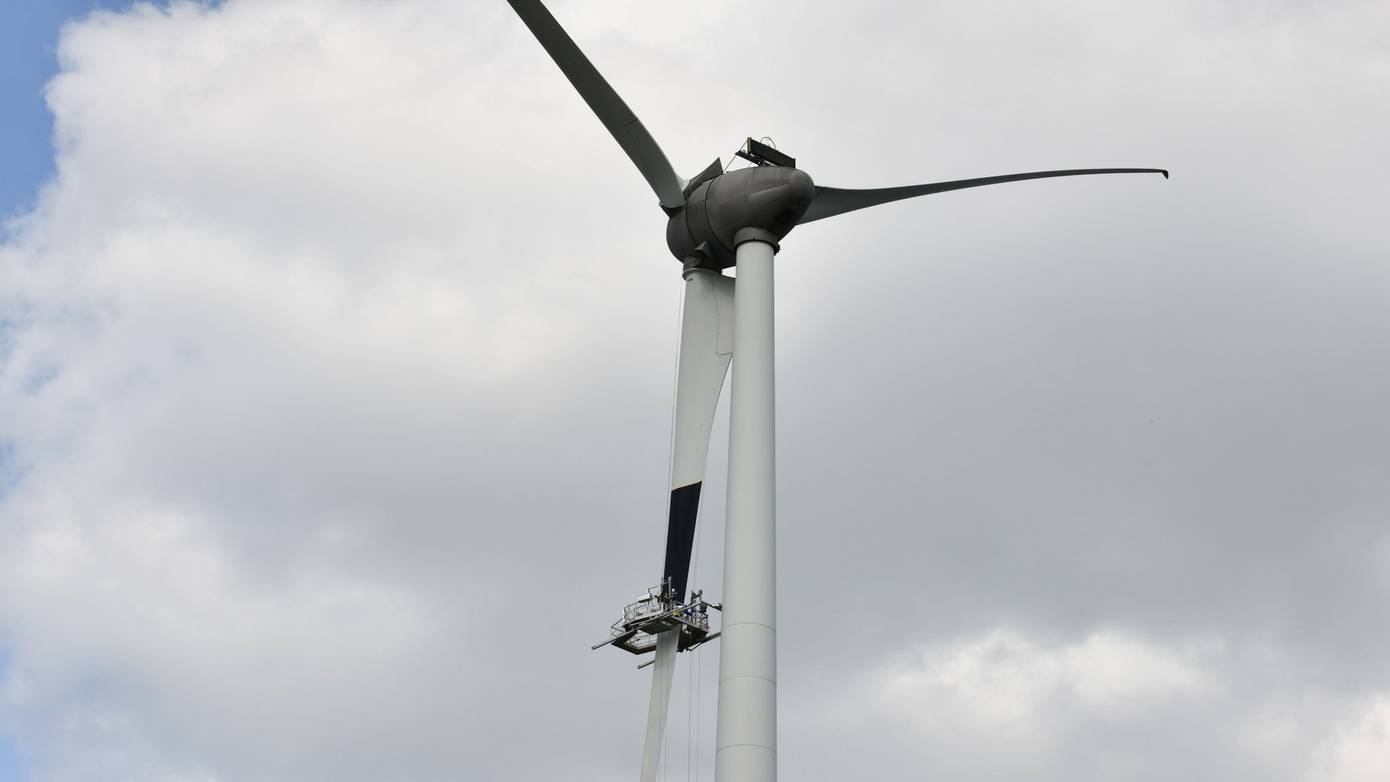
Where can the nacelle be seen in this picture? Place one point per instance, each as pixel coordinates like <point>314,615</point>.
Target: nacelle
<point>768,199</point>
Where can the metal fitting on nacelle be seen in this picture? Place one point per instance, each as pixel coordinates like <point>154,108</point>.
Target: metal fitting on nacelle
<point>767,199</point>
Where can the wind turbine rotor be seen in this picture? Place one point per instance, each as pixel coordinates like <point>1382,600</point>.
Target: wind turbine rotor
<point>716,220</point>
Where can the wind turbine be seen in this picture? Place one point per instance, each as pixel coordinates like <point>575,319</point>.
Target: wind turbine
<point>716,220</point>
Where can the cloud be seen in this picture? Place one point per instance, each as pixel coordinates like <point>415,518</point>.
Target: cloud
<point>143,645</point>
<point>335,366</point>
<point>257,402</point>
<point>1006,704</point>
<point>1004,677</point>
<point>1360,751</point>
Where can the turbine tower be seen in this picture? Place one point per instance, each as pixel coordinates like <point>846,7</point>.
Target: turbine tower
<point>714,221</point>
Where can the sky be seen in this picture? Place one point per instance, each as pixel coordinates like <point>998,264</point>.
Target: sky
<point>336,352</point>
<point>28,57</point>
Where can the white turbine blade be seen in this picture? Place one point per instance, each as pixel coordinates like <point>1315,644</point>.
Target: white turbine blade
<point>707,345</point>
<point>663,674</point>
<point>831,201</point>
<point>626,129</point>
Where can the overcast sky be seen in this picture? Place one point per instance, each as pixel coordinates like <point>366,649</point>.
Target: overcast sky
<point>336,369</point>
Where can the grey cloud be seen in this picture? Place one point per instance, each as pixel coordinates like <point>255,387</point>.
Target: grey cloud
<point>362,299</point>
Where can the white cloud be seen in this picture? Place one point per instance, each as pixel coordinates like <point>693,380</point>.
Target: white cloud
<point>1360,750</point>
<point>1008,704</point>
<point>264,345</point>
<point>1015,690</point>
<point>135,631</point>
<point>335,375</point>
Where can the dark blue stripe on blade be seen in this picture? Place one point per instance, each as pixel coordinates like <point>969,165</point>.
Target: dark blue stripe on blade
<point>680,537</point>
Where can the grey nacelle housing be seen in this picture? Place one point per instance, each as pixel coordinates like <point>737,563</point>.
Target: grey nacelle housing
<point>767,199</point>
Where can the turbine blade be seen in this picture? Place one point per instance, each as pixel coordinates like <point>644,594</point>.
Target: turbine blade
<point>831,201</point>
<point>707,346</point>
<point>663,673</point>
<point>705,350</point>
<point>626,129</point>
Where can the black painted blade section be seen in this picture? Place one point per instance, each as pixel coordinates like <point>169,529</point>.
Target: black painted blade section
<point>831,201</point>
<point>680,538</point>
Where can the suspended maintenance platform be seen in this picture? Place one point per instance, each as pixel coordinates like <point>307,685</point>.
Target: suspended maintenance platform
<point>657,613</point>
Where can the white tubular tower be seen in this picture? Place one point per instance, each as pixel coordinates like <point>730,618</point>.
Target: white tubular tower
<point>747,728</point>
